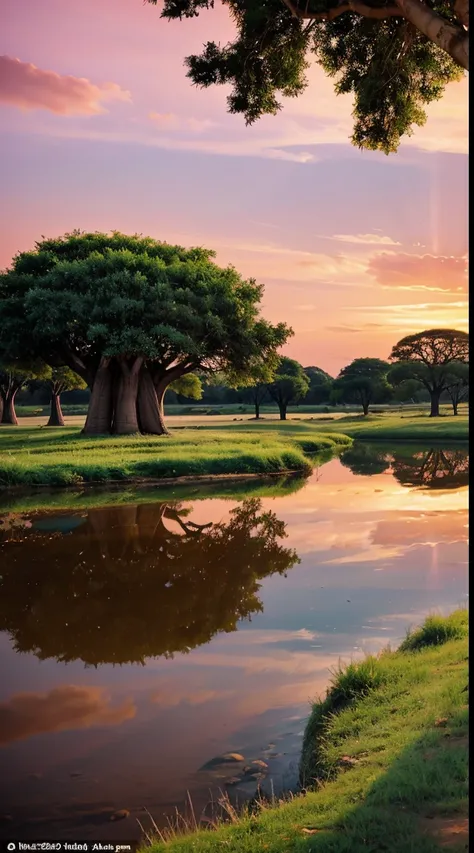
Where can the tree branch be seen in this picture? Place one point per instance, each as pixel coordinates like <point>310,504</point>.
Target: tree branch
<point>378,13</point>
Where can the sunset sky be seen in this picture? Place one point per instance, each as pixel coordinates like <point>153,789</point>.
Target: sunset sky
<point>101,130</point>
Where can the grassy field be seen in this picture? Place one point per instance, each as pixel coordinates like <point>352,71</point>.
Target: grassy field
<point>53,457</point>
<point>386,751</point>
<point>417,428</point>
<point>32,456</point>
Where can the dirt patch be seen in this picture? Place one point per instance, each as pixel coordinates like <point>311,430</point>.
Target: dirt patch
<point>447,831</point>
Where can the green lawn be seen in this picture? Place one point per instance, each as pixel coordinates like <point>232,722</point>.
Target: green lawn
<point>388,748</point>
<point>63,457</point>
<point>417,428</point>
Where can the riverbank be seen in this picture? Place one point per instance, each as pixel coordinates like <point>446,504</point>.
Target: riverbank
<point>385,754</point>
<point>53,457</point>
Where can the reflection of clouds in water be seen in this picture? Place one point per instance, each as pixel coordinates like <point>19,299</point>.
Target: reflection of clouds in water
<point>369,538</point>
<point>67,707</point>
<point>169,695</point>
<point>259,636</point>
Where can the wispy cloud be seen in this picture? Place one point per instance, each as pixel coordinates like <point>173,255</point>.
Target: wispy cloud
<point>171,121</point>
<point>423,315</point>
<point>363,239</point>
<point>420,272</point>
<point>27,87</point>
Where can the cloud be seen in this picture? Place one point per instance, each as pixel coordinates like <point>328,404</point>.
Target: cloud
<point>359,330</point>
<point>67,707</point>
<point>363,239</point>
<point>27,87</point>
<point>420,272</point>
<point>171,121</point>
<point>413,317</point>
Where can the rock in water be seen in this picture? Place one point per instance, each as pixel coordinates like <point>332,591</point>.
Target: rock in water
<point>120,814</point>
<point>226,758</point>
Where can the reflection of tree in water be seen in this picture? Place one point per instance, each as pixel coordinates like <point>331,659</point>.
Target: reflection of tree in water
<point>432,469</point>
<point>123,587</point>
<point>365,459</point>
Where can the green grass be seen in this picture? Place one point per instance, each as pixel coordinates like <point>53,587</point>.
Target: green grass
<point>419,427</point>
<point>437,630</point>
<point>387,752</point>
<point>41,456</point>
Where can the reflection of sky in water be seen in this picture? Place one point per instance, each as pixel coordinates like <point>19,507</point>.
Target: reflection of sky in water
<point>375,558</point>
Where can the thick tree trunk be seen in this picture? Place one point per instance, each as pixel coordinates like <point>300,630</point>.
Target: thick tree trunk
<point>434,413</point>
<point>282,408</point>
<point>56,418</point>
<point>451,38</point>
<point>160,388</point>
<point>99,415</point>
<point>150,413</point>
<point>8,413</point>
<point>125,415</point>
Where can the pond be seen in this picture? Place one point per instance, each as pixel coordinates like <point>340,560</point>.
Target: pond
<point>142,640</point>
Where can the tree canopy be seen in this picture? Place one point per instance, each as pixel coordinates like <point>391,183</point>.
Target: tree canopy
<point>363,381</point>
<point>393,56</point>
<point>289,385</point>
<point>320,385</point>
<point>428,358</point>
<point>131,315</point>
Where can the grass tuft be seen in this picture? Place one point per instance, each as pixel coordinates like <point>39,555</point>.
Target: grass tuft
<point>437,630</point>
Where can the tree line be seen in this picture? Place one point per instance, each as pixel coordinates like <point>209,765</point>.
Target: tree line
<point>130,318</point>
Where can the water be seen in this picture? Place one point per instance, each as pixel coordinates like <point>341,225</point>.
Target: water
<point>139,642</point>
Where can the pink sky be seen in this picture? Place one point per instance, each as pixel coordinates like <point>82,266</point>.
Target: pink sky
<point>102,130</point>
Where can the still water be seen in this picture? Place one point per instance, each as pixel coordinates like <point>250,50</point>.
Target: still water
<point>138,642</point>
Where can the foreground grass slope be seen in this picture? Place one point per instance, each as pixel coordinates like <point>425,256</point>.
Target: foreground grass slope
<point>386,750</point>
<point>64,457</point>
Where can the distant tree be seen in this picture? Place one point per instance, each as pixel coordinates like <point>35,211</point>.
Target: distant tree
<point>457,387</point>
<point>15,375</point>
<point>257,391</point>
<point>61,379</point>
<point>188,386</point>
<point>407,391</point>
<point>392,56</point>
<point>364,382</point>
<point>320,386</point>
<point>427,358</point>
<point>131,315</point>
<point>257,394</point>
<point>289,385</point>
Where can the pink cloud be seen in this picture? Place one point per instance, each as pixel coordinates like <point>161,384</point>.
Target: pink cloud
<point>171,121</point>
<point>420,272</point>
<point>27,87</point>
